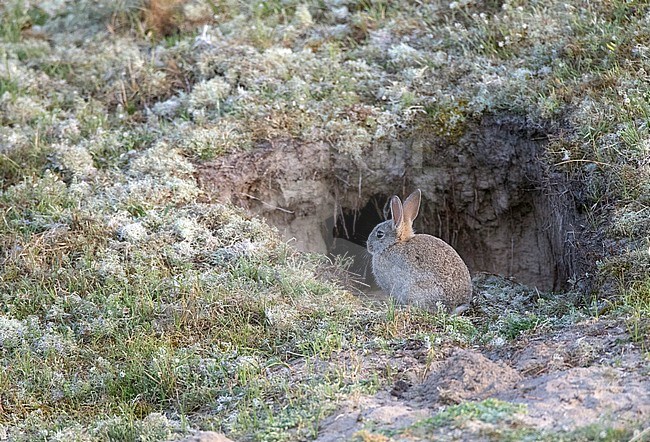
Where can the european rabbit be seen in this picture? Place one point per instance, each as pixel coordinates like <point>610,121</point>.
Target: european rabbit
<point>417,269</point>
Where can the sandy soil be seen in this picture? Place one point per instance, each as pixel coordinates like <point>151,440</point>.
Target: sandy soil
<point>585,374</point>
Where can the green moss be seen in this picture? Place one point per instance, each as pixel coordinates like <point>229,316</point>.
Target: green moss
<point>445,120</point>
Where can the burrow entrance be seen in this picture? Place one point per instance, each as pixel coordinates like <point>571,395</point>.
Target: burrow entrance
<point>489,194</point>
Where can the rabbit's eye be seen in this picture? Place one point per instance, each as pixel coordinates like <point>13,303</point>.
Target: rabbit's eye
<point>380,234</point>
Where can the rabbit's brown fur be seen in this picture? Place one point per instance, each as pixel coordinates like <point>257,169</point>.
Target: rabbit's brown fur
<point>417,269</point>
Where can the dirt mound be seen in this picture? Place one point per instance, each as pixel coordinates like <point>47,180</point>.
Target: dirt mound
<point>567,380</point>
<point>206,436</point>
<point>465,375</point>
<point>586,344</point>
<point>580,396</point>
<point>380,411</point>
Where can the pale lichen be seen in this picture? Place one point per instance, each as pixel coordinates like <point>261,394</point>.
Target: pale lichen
<point>74,161</point>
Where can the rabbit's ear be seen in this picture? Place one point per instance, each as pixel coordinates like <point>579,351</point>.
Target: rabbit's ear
<point>396,211</point>
<point>409,212</point>
<point>412,206</point>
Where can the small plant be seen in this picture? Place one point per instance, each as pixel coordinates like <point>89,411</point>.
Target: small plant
<point>516,324</point>
<point>16,16</point>
<point>489,411</point>
<point>636,304</point>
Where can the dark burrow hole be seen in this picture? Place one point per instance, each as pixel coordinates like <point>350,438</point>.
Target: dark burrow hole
<point>505,211</point>
<point>524,244</point>
<point>492,194</point>
<point>347,235</point>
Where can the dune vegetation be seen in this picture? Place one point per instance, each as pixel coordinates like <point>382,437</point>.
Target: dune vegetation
<point>135,306</point>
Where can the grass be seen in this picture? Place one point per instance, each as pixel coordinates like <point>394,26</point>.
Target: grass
<point>130,311</point>
<point>130,333</point>
<point>491,411</point>
<point>27,159</point>
<point>507,425</point>
<point>594,432</point>
<point>636,303</point>
<point>16,16</point>
<point>142,345</point>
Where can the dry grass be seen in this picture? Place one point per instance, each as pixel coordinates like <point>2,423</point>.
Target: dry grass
<point>162,17</point>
